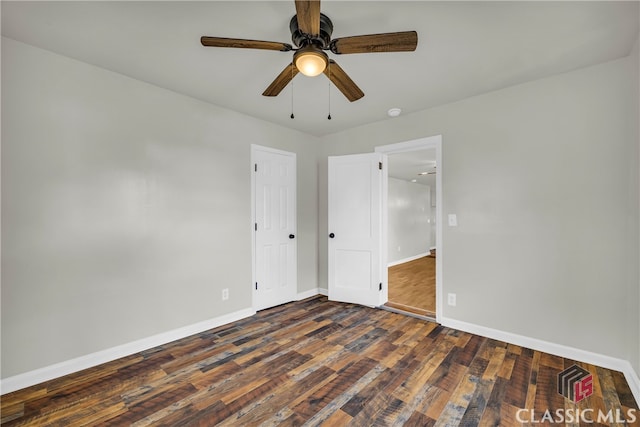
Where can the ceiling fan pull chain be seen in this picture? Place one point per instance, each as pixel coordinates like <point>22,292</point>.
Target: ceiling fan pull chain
<point>329,89</point>
<point>292,75</point>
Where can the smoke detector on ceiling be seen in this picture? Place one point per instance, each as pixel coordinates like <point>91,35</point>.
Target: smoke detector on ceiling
<point>394,112</point>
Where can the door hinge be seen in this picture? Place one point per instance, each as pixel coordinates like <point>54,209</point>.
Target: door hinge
<point>380,165</point>
<point>380,287</point>
<point>256,286</point>
<point>255,167</point>
<point>256,226</point>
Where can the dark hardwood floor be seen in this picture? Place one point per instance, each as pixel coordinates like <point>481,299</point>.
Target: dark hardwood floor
<point>318,362</point>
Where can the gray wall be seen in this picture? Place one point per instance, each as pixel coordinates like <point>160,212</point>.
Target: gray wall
<point>635,64</point>
<point>125,208</point>
<point>543,179</point>
<point>408,215</point>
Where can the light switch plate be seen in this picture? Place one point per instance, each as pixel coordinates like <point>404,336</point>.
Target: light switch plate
<point>453,220</point>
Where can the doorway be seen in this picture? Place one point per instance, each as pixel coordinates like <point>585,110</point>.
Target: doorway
<point>411,207</point>
<point>413,232</point>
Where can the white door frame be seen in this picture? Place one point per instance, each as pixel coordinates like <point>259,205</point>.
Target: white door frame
<point>254,148</point>
<point>403,147</point>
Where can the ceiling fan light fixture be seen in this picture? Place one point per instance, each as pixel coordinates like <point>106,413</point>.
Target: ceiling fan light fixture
<point>310,61</point>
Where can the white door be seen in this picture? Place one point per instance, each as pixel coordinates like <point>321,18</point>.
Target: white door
<point>355,229</point>
<point>275,254</point>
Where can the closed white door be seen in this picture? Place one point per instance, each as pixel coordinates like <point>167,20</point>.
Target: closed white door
<point>275,249</point>
<point>355,229</point>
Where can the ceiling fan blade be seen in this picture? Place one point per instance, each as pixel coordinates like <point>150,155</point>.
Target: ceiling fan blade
<point>244,44</point>
<point>308,13</point>
<point>405,41</point>
<point>343,82</point>
<point>281,81</point>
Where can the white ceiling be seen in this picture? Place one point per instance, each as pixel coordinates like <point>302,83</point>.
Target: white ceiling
<point>408,166</point>
<point>464,49</point>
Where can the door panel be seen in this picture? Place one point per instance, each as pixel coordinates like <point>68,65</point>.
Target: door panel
<point>275,221</point>
<point>353,268</point>
<point>355,222</point>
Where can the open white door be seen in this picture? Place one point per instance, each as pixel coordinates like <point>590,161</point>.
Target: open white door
<point>355,229</point>
<point>275,258</point>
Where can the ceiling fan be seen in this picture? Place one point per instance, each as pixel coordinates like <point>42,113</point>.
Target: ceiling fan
<point>311,34</point>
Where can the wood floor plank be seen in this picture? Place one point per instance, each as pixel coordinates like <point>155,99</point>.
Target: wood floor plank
<point>459,402</point>
<point>279,398</point>
<point>519,380</point>
<point>609,392</point>
<point>533,381</point>
<point>412,285</point>
<point>12,412</point>
<point>418,419</point>
<point>346,377</point>
<point>317,362</point>
<point>622,389</point>
<point>325,414</point>
<point>338,418</point>
<point>434,402</point>
<point>416,381</point>
<point>154,402</point>
<point>594,402</point>
<point>389,415</point>
<point>374,399</point>
<point>496,359</point>
<point>509,362</point>
<point>492,414</point>
<point>477,404</point>
<point>547,396</point>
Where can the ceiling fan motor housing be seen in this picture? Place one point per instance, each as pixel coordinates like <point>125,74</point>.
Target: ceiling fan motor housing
<point>321,40</point>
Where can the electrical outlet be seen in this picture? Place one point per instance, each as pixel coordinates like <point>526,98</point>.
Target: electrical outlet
<point>225,294</point>
<point>451,299</point>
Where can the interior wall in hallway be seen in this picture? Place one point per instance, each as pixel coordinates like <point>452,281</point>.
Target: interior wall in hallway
<point>409,220</point>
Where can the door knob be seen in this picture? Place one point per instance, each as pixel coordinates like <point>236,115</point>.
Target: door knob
<point>292,236</point>
<point>332,235</point>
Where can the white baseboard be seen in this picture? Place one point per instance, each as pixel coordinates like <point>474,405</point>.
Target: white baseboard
<point>37,376</point>
<point>557,349</point>
<point>20,381</point>
<point>308,294</point>
<point>312,293</point>
<point>411,258</point>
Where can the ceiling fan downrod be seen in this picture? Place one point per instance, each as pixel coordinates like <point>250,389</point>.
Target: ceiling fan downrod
<point>302,40</point>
